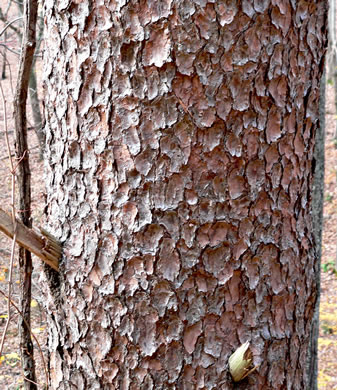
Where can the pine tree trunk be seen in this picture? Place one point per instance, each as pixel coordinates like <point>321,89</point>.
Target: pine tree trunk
<point>180,139</point>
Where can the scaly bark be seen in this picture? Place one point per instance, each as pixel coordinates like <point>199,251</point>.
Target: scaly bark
<point>180,138</point>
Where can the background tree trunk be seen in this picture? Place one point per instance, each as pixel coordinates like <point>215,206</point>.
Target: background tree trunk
<point>180,138</point>
<point>317,213</point>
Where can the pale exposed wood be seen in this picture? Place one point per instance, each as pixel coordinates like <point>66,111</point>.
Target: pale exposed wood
<point>43,245</point>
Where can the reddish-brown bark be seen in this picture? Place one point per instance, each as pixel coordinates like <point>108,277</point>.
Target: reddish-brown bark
<point>180,140</point>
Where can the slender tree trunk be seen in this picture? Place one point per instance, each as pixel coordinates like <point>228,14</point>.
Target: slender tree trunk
<point>317,212</point>
<point>4,59</point>
<point>33,87</point>
<point>24,178</point>
<point>180,138</point>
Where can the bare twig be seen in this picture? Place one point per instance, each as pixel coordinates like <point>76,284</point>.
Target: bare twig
<point>3,337</point>
<point>10,71</point>
<point>31,148</point>
<point>10,278</point>
<point>4,19</point>
<point>10,49</point>
<point>9,24</point>
<point>32,335</point>
<point>17,52</point>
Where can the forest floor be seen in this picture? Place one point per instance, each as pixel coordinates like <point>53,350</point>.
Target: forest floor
<point>11,377</point>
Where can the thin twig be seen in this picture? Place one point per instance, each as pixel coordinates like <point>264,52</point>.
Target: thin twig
<point>7,41</point>
<point>10,72</point>
<point>27,379</point>
<point>3,19</point>
<point>10,278</point>
<point>9,23</point>
<point>31,148</point>
<point>3,337</point>
<point>32,334</point>
<point>17,52</point>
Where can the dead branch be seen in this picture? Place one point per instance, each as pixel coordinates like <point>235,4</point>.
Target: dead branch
<point>43,245</point>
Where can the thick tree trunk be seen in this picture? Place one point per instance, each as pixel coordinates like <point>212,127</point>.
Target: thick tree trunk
<point>180,139</point>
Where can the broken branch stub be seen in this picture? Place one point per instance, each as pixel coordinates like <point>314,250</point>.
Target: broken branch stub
<point>43,245</point>
<point>240,362</point>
